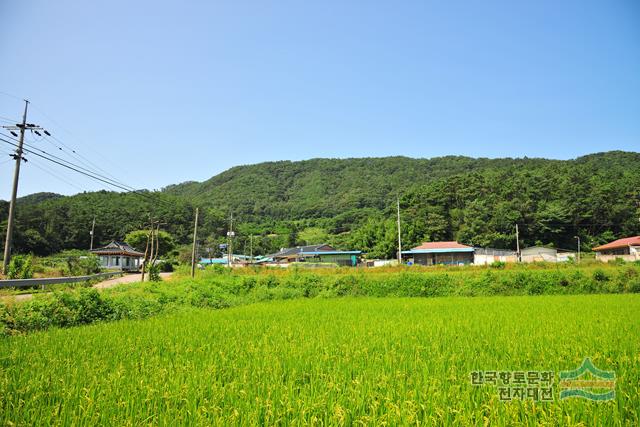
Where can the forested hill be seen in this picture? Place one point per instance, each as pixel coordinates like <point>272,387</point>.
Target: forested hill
<point>328,187</point>
<point>351,203</point>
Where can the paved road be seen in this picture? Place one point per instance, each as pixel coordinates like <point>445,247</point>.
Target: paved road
<point>110,283</point>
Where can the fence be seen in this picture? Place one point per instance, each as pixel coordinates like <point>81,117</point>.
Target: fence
<point>28,283</point>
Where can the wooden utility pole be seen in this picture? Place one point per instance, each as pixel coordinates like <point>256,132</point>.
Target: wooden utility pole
<point>517,244</point>
<point>146,252</point>
<point>251,248</point>
<point>399,235</point>
<point>230,235</point>
<point>193,250</point>
<point>14,192</point>
<point>93,228</point>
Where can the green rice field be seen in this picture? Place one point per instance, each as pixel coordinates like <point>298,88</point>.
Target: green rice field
<point>346,361</point>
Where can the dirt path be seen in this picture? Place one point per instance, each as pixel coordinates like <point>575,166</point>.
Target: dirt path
<point>127,278</point>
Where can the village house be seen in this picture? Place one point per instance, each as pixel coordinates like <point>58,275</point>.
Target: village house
<point>316,253</point>
<point>627,249</point>
<point>431,253</point>
<point>119,256</point>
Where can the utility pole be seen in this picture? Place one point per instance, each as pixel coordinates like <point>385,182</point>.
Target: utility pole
<point>93,228</point>
<point>22,127</point>
<point>578,237</point>
<point>230,235</point>
<point>251,248</point>
<point>517,244</point>
<point>399,235</point>
<point>193,250</point>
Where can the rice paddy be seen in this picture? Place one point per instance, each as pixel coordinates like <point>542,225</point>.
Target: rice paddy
<point>346,361</point>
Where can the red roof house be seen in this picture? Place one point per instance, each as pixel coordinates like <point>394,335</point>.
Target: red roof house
<point>627,248</point>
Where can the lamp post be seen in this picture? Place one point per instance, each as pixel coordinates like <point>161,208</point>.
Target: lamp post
<point>578,237</point>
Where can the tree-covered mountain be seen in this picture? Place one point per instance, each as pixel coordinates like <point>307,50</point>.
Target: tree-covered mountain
<point>351,203</point>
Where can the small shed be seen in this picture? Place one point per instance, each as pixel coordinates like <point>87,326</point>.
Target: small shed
<point>431,253</point>
<point>543,254</point>
<point>538,254</point>
<point>119,256</point>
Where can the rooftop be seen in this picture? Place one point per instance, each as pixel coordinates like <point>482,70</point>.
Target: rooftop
<point>434,247</point>
<point>284,252</point>
<point>117,248</point>
<point>443,245</point>
<point>620,243</point>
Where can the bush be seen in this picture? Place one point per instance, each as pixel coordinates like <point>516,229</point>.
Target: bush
<point>600,276</point>
<point>154,273</point>
<point>82,265</point>
<point>498,265</point>
<point>20,267</point>
<point>165,266</point>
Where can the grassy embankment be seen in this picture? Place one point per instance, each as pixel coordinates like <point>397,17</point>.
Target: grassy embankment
<point>221,288</point>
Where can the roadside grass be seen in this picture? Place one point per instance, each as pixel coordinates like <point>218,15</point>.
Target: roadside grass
<point>346,361</point>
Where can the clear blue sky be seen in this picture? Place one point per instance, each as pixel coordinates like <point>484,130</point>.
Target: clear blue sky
<point>160,92</point>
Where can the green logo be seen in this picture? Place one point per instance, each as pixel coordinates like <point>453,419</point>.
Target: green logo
<point>588,382</point>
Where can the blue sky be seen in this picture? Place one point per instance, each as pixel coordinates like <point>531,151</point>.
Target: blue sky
<point>159,92</point>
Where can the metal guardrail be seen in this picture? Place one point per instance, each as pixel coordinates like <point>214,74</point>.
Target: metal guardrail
<point>27,283</point>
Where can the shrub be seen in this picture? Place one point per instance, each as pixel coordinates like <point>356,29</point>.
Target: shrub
<point>600,276</point>
<point>498,265</point>
<point>165,266</point>
<point>20,267</point>
<point>82,266</point>
<point>154,273</point>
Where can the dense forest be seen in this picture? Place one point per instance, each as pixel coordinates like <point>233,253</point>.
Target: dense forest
<point>351,203</point>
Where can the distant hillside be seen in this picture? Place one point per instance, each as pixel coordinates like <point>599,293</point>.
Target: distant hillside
<point>326,187</point>
<point>351,203</point>
<point>35,198</point>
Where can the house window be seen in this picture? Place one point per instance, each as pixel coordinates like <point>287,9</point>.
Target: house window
<point>117,260</point>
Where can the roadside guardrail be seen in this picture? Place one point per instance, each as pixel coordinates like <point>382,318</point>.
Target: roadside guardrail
<point>28,283</point>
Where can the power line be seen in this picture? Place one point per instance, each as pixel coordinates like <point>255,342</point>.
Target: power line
<point>80,167</point>
<point>74,168</point>
<point>53,174</point>
<point>30,147</point>
<point>71,134</point>
<point>93,175</point>
<point>7,120</point>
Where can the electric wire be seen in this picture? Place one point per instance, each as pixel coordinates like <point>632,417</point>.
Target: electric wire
<point>53,174</point>
<point>80,170</point>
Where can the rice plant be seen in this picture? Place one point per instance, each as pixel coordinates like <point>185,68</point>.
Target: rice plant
<point>346,361</point>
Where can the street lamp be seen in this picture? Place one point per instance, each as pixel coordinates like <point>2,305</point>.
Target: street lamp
<point>578,237</point>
